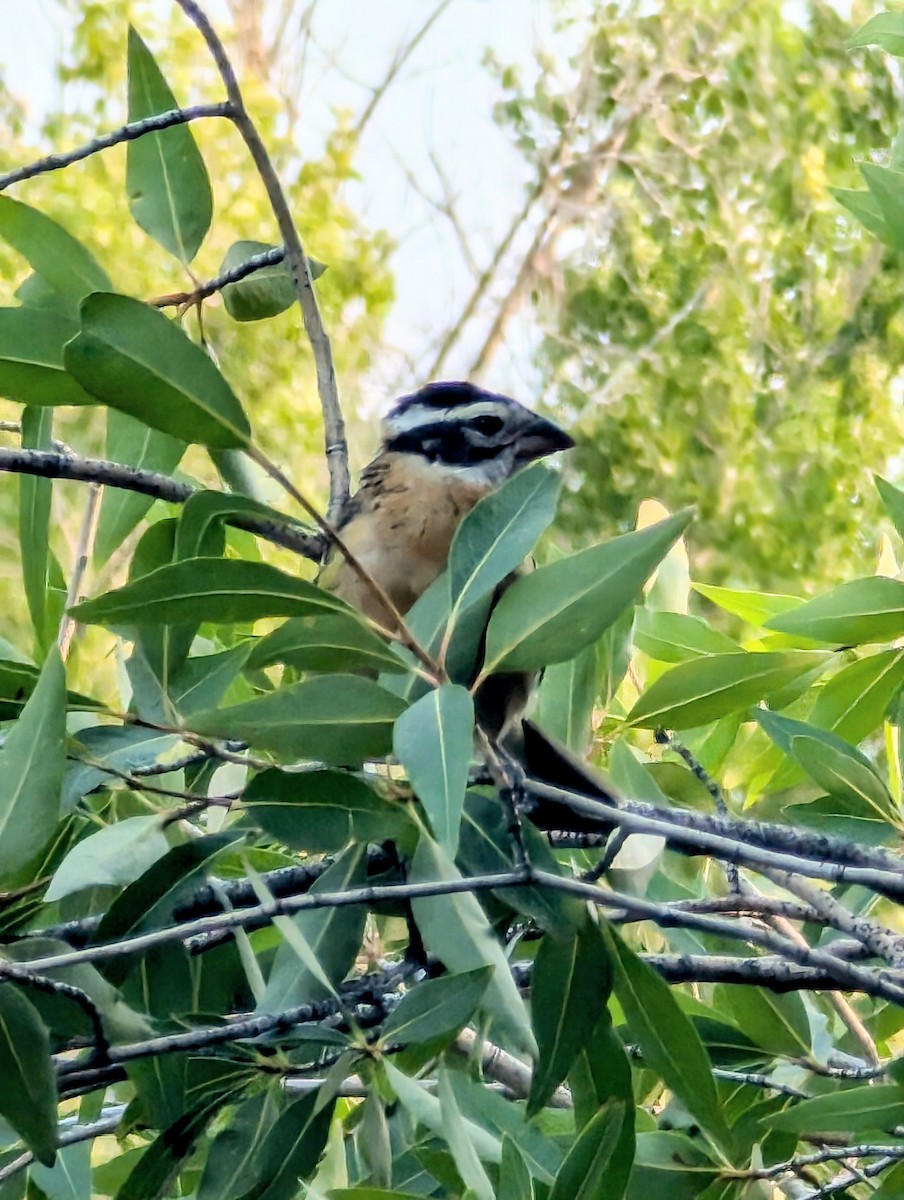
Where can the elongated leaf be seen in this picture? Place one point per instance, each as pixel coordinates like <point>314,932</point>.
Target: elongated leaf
<point>570,985</point>
<point>705,689</point>
<point>863,205</point>
<point>205,512</point>
<point>332,934</point>
<point>455,929</point>
<point>756,608</point>
<point>893,502</point>
<point>551,614</point>
<point>290,1149</point>
<point>437,1008</point>
<point>60,260</point>
<point>425,1108</point>
<point>334,642</point>
<point>864,610</point>
<point>136,445</point>
<point>265,293</point>
<point>832,764</point>
<point>218,590</point>
<point>885,29</point>
<point>885,185</point>
<point>131,357</point>
<point>433,740</point>
<point>669,1042</point>
<point>850,1110</point>
<point>600,1072</point>
<point>32,762</point>
<point>115,855</point>
<point>231,1167</point>
<point>854,701</point>
<point>153,1174</point>
<point>70,1176</point>
<point>337,719</point>
<point>670,1165</point>
<point>499,1117</point>
<point>31,358</point>
<point>774,1021</point>
<point>322,811</point>
<point>499,532</point>
<point>28,1098</point>
<point>34,527</point>
<point>599,1162</point>
<point>671,637</point>
<point>457,1137</point>
<point>167,182</point>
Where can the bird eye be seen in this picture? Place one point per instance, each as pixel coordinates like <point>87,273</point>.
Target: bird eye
<point>486,425</point>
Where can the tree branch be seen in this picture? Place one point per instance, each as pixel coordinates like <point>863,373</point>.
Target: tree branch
<point>125,133</point>
<point>334,426</point>
<point>282,531</point>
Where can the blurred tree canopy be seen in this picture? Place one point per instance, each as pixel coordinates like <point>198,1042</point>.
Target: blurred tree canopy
<point>724,332</point>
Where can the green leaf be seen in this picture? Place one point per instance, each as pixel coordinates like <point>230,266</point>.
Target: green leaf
<point>551,614</point>
<point>455,929</point>
<point>205,512</point>
<point>70,1176</point>
<point>425,1108</point>
<point>153,1174</point>
<point>334,642</point>
<point>885,185</point>
<point>457,1137</point>
<point>218,590</point>
<point>753,607</point>
<point>893,501</point>
<point>570,986</point>
<point>674,637</point>
<point>31,358</point>
<point>884,29</point>
<point>322,811</point>
<point>437,1008</point>
<point>60,260</point>
<point>514,1177</point>
<point>231,1165</point>
<point>864,610</point>
<point>499,532</point>
<point>131,357</point>
<point>863,205</point>
<point>877,1106</point>
<point>32,763</point>
<point>669,1043</point>
<point>670,1165</point>
<point>433,740</point>
<point>35,496</point>
<point>599,1161</point>
<point>336,719</point>
<point>28,1098</point>
<point>776,1021</point>
<point>167,183</point>
<point>267,291</point>
<point>704,689</point>
<point>600,1072</point>
<point>831,763</point>
<point>291,1148</point>
<point>332,934</point>
<point>136,445</point>
<point>113,857</point>
<point>855,700</point>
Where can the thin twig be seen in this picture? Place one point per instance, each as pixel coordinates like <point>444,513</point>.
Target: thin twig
<point>83,551</point>
<point>257,262</point>
<point>125,133</point>
<point>333,424</point>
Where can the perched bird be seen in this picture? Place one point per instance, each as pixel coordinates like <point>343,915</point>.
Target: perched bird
<point>444,448</point>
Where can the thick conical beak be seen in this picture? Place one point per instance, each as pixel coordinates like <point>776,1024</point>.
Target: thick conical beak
<point>539,437</point>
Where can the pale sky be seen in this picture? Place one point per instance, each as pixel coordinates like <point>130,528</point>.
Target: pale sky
<point>440,105</point>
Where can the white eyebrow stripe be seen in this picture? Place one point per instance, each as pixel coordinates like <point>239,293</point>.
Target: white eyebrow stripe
<point>423,414</point>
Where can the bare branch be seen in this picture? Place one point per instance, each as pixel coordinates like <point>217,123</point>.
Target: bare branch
<point>334,426</point>
<point>257,262</point>
<point>126,133</point>
<point>282,531</point>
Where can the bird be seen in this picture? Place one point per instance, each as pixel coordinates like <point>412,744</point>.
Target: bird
<point>443,448</point>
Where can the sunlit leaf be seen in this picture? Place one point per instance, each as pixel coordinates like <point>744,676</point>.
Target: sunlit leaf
<point>433,740</point>
<point>552,613</point>
<point>61,261</point>
<point>167,183</point>
<point>264,293</point>
<point>864,610</point>
<point>31,358</point>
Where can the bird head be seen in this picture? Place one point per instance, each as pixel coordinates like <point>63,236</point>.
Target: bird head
<point>478,435</point>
